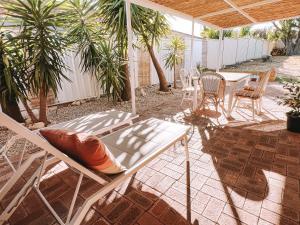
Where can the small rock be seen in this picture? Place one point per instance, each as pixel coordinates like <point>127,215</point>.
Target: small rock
<point>53,108</point>
<point>82,101</point>
<point>76,103</point>
<point>163,92</point>
<point>143,92</point>
<point>28,121</point>
<point>36,126</point>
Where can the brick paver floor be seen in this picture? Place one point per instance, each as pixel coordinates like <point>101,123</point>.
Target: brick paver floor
<point>240,172</point>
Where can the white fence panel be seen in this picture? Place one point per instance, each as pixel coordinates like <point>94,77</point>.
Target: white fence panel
<point>266,47</point>
<point>229,52</point>
<point>258,49</point>
<point>212,53</point>
<point>82,85</point>
<point>197,53</point>
<point>251,49</point>
<point>242,49</point>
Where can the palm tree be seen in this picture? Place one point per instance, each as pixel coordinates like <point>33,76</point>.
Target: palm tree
<point>39,22</point>
<point>10,85</point>
<point>14,76</point>
<point>148,25</point>
<point>98,56</point>
<point>175,55</point>
<point>151,27</point>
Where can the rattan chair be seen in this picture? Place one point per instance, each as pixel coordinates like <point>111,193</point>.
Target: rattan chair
<point>254,94</point>
<point>213,88</point>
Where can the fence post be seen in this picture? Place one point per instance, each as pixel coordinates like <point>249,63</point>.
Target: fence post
<point>220,52</point>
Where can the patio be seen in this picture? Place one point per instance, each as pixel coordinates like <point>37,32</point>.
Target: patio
<point>241,172</point>
<point>235,170</point>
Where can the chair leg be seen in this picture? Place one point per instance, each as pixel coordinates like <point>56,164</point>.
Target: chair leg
<point>257,107</point>
<point>183,97</point>
<point>216,104</point>
<point>260,105</point>
<point>235,102</point>
<point>253,109</point>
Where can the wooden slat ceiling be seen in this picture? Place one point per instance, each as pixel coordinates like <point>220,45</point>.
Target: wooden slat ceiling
<point>233,13</point>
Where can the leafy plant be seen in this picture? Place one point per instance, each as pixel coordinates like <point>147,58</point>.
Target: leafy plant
<point>175,55</point>
<point>98,56</point>
<point>84,32</point>
<point>11,84</point>
<point>110,75</point>
<point>40,22</point>
<point>292,97</point>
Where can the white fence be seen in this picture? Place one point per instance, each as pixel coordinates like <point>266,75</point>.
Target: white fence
<point>83,85</point>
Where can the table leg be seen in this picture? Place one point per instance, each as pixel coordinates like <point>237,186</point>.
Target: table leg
<point>195,96</point>
<point>230,100</point>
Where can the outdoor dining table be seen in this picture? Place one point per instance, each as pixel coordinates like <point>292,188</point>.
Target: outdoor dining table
<point>233,82</point>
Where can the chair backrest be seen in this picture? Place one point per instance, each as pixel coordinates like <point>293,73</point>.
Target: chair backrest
<point>262,85</point>
<point>186,78</point>
<point>212,83</point>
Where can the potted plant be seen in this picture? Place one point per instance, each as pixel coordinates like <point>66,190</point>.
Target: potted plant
<point>292,99</point>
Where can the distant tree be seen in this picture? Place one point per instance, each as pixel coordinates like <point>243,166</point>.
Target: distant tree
<point>245,32</point>
<point>214,34</point>
<point>260,33</point>
<point>288,31</point>
<point>174,56</point>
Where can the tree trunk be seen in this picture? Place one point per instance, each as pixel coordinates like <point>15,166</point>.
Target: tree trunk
<point>163,83</point>
<point>43,105</point>
<point>11,108</point>
<point>29,111</point>
<point>175,85</point>
<point>126,92</point>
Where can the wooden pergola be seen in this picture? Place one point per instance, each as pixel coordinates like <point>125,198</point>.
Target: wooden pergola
<point>219,14</point>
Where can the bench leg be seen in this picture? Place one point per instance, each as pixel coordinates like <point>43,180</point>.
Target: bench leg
<point>186,149</point>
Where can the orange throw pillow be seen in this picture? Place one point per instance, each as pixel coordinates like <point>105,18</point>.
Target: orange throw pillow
<point>86,149</point>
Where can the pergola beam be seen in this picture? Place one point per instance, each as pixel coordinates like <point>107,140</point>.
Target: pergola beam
<point>241,11</point>
<point>241,8</point>
<point>167,10</point>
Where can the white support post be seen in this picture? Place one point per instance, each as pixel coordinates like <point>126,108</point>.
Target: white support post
<point>220,53</point>
<point>192,44</point>
<point>130,55</point>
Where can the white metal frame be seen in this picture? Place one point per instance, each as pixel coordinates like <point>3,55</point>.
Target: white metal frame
<point>23,166</point>
<point>34,181</point>
<point>130,54</point>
